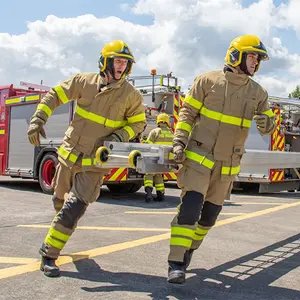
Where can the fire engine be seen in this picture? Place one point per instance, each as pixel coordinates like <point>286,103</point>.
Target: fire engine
<point>285,138</point>
<point>19,159</point>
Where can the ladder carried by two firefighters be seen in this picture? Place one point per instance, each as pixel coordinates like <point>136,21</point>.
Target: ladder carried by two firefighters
<point>151,159</point>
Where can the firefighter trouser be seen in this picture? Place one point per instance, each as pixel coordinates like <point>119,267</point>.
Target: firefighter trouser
<point>202,198</point>
<point>85,190</point>
<point>156,180</point>
<point>61,183</point>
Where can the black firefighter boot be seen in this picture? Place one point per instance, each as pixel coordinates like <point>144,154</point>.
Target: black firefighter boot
<point>148,195</point>
<point>176,272</point>
<point>49,267</point>
<point>160,196</point>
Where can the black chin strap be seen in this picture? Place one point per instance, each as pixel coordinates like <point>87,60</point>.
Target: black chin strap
<point>243,65</point>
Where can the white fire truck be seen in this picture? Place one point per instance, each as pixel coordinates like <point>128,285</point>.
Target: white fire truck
<point>286,138</point>
<point>18,158</point>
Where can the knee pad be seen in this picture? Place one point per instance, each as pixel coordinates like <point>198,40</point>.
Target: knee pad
<point>209,214</point>
<point>190,208</point>
<point>71,212</point>
<point>57,203</point>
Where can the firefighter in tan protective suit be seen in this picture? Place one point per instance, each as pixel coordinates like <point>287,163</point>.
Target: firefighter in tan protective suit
<point>209,142</point>
<point>108,108</point>
<point>160,135</point>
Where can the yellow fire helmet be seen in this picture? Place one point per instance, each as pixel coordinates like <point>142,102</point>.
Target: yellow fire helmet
<point>163,118</point>
<point>242,45</point>
<point>117,48</point>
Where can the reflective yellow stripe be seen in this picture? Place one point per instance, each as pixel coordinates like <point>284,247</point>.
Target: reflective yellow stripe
<point>202,160</point>
<point>2,131</point>
<point>24,99</point>
<point>225,118</point>
<point>269,113</point>
<point>184,126</point>
<point>137,118</point>
<point>56,239</point>
<point>73,158</point>
<point>59,235</point>
<point>61,94</point>
<point>67,154</point>
<point>32,98</point>
<point>230,170</point>
<point>45,108</point>
<point>201,231</point>
<point>88,162</point>
<point>198,237</point>
<point>99,119</point>
<point>114,124</point>
<point>175,241</point>
<point>182,231</point>
<point>159,189</point>
<point>11,101</point>
<point>193,102</point>
<point>129,131</point>
<point>200,234</point>
<point>53,242</point>
<point>164,143</point>
<point>149,142</point>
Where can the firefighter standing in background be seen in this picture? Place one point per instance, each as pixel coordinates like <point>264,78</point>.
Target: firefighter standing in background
<point>160,135</point>
<point>209,141</point>
<point>108,108</point>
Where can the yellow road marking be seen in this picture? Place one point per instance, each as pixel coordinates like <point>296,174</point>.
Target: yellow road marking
<point>17,260</point>
<point>18,270</point>
<point>171,213</point>
<point>103,228</point>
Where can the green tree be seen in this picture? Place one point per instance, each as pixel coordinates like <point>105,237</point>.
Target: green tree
<point>295,93</point>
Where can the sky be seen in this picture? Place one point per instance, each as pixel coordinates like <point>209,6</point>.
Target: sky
<point>52,40</point>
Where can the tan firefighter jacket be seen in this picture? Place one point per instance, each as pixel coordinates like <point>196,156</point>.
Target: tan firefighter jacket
<point>117,108</point>
<point>159,135</point>
<point>216,117</point>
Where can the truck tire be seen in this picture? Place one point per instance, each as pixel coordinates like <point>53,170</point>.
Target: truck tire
<point>46,172</point>
<point>124,188</point>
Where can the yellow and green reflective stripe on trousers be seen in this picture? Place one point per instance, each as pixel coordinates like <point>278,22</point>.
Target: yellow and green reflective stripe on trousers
<point>67,155</point>
<point>160,187</point>
<point>181,236</point>
<point>56,239</point>
<point>148,183</point>
<point>204,161</point>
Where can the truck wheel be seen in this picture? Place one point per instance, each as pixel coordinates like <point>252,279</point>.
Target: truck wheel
<point>46,172</point>
<point>123,188</point>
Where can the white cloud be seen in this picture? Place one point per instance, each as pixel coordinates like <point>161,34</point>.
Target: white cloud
<point>187,37</point>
